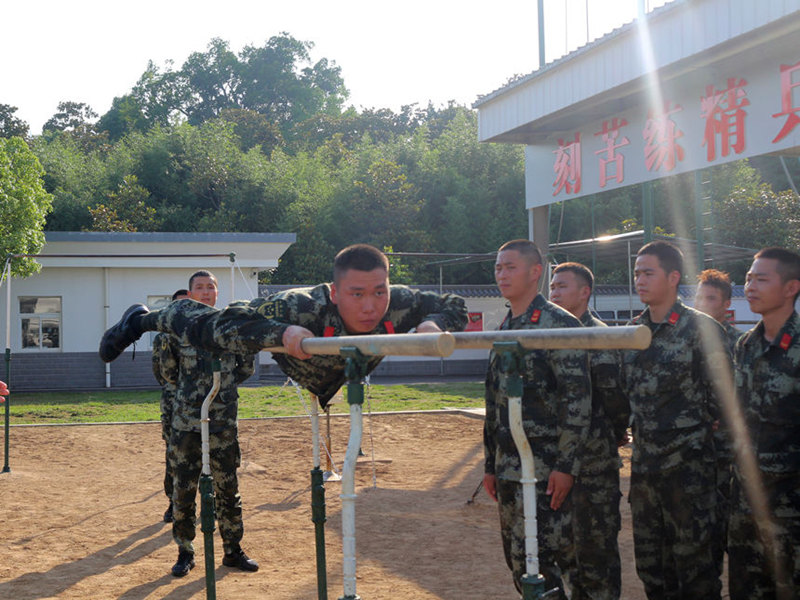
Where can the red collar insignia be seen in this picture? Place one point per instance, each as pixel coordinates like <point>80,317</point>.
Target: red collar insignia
<point>329,331</point>
<point>389,326</point>
<point>786,341</point>
<point>535,316</point>
<point>673,318</point>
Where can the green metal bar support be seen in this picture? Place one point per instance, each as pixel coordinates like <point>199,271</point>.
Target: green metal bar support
<point>207,518</point>
<point>319,519</point>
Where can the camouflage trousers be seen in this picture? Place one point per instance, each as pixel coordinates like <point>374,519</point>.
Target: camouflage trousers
<point>596,523</point>
<point>186,460</point>
<point>166,433</point>
<point>674,521</point>
<point>764,562</point>
<point>553,526</point>
<point>724,475</point>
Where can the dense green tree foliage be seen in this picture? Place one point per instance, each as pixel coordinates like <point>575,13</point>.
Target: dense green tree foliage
<point>23,205</point>
<point>10,125</point>
<point>261,140</point>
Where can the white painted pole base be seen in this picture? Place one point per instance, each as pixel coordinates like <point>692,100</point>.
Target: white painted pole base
<point>528,482</point>
<point>348,497</point>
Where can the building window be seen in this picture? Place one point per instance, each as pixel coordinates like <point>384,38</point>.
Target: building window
<point>40,317</point>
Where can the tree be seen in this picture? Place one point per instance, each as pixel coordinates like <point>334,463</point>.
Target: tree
<point>76,120</point>
<point>23,204</point>
<point>125,210</point>
<point>71,116</point>
<point>124,116</point>
<point>11,126</point>
<point>275,80</point>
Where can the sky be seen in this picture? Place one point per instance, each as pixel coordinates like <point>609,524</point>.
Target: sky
<point>391,53</point>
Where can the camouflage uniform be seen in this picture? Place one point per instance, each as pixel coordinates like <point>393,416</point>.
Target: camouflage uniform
<point>768,388</point>
<point>596,518</point>
<point>261,323</point>
<point>185,447</point>
<point>165,369</point>
<point>673,475</point>
<point>556,407</point>
<point>722,445</point>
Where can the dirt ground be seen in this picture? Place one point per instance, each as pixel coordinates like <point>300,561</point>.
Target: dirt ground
<point>81,515</point>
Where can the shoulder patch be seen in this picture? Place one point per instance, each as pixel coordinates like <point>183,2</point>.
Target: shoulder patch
<point>673,318</point>
<point>536,315</point>
<point>786,341</point>
<point>274,309</point>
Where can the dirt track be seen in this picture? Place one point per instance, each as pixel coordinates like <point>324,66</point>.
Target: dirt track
<point>81,512</point>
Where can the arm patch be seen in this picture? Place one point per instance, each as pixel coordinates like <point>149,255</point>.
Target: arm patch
<point>274,309</point>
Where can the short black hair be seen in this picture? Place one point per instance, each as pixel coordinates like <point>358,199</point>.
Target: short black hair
<point>361,257</point>
<point>180,292</point>
<point>717,279</point>
<point>202,273</point>
<point>788,263</point>
<point>581,271</point>
<point>669,256</point>
<point>526,248</point>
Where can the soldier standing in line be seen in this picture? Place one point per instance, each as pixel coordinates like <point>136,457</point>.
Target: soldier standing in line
<point>165,370</point>
<point>764,555</point>
<point>596,519</point>
<point>670,386</point>
<point>185,444</point>
<point>713,297</point>
<point>556,408</point>
<point>359,301</point>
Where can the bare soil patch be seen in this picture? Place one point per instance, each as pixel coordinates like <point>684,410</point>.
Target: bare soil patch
<point>81,515</point>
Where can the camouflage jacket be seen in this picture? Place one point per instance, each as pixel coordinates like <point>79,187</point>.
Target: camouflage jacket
<point>261,323</point>
<point>195,379</point>
<point>610,409</point>
<point>768,388</point>
<point>670,388</point>
<point>165,369</point>
<point>556,401</point>
<point>732,335</point>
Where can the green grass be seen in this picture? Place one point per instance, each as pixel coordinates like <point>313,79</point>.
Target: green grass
<point>268,401</point>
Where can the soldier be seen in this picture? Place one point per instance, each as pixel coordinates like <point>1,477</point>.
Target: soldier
<point>359,301</point>
<point>185,444</point>
<point>165,370</point>
<point>674,406</point>
<point>596,518</point>
<point>556,407</point>
<point>764,540</point>
<point>713,297</point>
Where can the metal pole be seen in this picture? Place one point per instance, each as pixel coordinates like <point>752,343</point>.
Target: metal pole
<point>207,516</point>
<point>318,504</point>
<point>540,14</point>
<point>7,429</point>
<point>232,257</point>
<point>106,312</point>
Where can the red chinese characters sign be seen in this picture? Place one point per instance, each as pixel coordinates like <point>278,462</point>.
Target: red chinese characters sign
<point>691,127</point>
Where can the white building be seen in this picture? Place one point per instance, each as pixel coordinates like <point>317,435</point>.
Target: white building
<point>88,279</point>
